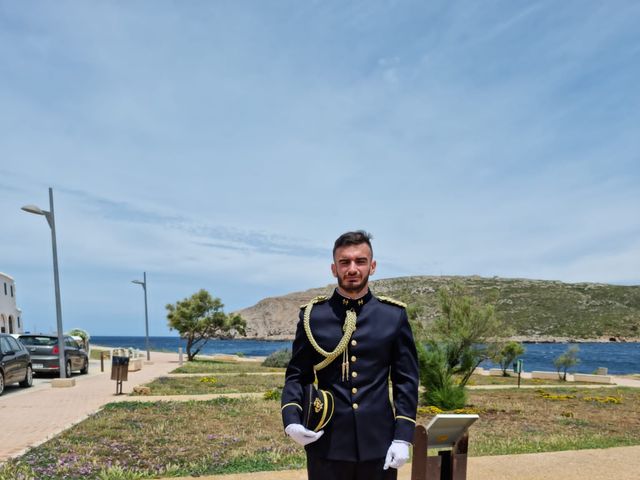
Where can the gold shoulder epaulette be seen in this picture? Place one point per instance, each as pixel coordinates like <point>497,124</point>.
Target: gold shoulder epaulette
<point>392,301</point>
<point>313,301</point>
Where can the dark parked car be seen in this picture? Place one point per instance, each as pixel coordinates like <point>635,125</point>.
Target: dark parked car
<point>45,354</point>
<point>15,363</point>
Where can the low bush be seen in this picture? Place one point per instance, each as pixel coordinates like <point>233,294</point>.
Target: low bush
<point>278,359</point>
<point>441,389</point>
<point>273,394</point>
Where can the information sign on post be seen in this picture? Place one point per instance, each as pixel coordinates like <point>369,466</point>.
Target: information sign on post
<point>517,368</point>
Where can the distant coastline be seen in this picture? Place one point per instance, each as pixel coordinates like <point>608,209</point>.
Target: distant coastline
<point>535,310</point>
<point>618,357</point>
<point>550,339</point>
<point>517,338</point>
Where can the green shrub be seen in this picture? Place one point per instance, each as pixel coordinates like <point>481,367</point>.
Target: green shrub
<point>83,334</point>
<point>273,394</point>
<point>278,359</point>
<point>447,397</point>
<point>566,360</point>
<point>441,389</point>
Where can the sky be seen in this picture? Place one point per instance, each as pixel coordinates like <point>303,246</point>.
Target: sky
<point>226,144</point>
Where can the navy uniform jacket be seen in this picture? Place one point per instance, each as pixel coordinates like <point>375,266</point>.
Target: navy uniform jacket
<point>367,418</point>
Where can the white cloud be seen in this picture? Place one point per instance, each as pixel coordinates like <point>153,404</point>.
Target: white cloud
<point>227,146</point>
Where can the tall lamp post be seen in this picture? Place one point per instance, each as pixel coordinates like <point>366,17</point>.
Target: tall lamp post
<point>51,220</point>
<point>146,314</point>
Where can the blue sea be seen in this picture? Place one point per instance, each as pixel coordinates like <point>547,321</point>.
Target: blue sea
<point>619,358</point>
<point>249,348</point>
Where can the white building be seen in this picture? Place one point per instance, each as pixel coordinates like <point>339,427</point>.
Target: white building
<point>10,321</point>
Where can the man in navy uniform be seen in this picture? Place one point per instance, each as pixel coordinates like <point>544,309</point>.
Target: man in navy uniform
<point>356,345</point>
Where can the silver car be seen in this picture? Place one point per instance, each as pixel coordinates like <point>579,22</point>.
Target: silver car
<point>45,354</point>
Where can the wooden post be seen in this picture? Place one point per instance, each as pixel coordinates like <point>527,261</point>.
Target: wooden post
<point>459,458</point>
<point>447,465</point>
<point>419,461</point>
<point>424,467</point>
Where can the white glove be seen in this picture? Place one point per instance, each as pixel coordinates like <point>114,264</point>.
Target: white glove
<point>302,435</point>
<point>397,455</point>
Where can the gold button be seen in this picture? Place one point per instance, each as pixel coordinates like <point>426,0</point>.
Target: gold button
<point>354,374</point>
<point>355,406</point>
<point>354,390</point>
<point>353,358</point>
<point>353,343</point>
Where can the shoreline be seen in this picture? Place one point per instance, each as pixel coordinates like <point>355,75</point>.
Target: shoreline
<point>552,339</point>
<point>214,356</point>
<point>516,338</point>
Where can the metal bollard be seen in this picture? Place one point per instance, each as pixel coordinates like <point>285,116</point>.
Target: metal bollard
<point>102,355</point>
<point>180,361</point>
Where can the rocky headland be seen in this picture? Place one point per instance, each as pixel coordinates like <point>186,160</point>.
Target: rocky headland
<point>538,311</point>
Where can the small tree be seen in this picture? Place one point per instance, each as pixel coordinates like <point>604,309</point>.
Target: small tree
<point>83,334</point>
<point>506,355</point>
<point>200,318</point>
<point>414,311</point>
<point>566,360</point>
<point>278,359</point>
<point>467,328</point>
<point>457,342</point>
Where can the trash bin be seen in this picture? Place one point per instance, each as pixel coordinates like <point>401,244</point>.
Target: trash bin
<point>119,371</point>
<point>119,368</point>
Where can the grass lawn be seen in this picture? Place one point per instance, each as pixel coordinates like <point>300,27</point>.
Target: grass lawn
<point>214,366</point>
<point>232,435</point>
<point>96,352</point>
<point>525,421</point>
<point>165,439</point>
<point>240,383</point>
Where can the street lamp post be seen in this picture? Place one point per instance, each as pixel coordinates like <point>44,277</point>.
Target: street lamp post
<point>146,314</point>
<point>51,219</point>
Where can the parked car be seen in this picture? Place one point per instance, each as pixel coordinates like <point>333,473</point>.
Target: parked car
<point>15,363</point>
<point>45,354</point>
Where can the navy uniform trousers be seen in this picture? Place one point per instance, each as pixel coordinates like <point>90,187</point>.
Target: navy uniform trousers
<point>368,414</point>
<point>321,469</point>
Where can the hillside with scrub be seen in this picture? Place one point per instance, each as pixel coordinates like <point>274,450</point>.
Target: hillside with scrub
<point>536,310</point>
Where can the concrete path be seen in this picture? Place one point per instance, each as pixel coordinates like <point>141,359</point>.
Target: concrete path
<point>622,463</point>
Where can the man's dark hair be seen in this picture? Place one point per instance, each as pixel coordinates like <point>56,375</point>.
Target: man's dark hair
<point>353,238</point>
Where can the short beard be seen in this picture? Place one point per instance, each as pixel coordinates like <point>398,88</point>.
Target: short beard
<point>353,289</point>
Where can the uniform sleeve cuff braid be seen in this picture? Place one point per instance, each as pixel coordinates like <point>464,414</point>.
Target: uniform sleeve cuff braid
<point>405,429</point>
<point>401,417</point>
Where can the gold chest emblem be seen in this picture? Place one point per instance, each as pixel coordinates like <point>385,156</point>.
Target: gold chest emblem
<point>317,405</point>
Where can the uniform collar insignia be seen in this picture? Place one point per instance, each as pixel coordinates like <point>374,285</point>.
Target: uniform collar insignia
<point>348,303</point>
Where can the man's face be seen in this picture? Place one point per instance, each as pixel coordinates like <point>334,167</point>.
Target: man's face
<point>352,266</point>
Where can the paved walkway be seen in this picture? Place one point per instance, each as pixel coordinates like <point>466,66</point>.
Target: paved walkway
<point>621,463</point>
<point>32,416</point>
